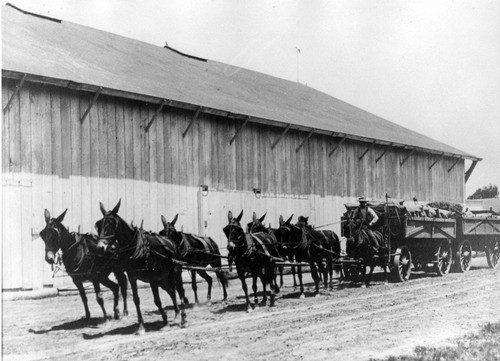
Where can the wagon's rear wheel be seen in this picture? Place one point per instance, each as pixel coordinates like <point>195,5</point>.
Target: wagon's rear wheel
<point>493,253</point>
<point>443,258</point>
<point>464,256</point>
<point>402,264</point>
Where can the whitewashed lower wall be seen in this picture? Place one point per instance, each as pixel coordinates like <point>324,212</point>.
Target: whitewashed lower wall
<point>25,196</point>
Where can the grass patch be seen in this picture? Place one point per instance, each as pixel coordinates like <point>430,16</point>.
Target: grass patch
<point>481,346</point>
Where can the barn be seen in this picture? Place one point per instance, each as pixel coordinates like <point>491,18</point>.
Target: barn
<point>91,117</point>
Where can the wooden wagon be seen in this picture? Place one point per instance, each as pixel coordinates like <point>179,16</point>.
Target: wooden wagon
<point>478,233</point>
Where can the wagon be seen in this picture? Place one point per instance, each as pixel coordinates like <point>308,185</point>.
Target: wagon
<point>420,241</point>
<point>478,233</point>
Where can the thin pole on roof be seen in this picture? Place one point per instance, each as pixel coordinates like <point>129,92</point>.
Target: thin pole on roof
<point>298,52</point>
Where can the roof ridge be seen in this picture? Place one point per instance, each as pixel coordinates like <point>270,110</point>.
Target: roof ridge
<point>33,14</point>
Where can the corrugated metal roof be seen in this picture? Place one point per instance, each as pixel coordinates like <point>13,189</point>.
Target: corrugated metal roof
<point>72,52</point>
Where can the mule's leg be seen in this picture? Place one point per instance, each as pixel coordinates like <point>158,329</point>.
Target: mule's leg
<point>132,278</point>
<point>116,295</point>
<point>194,286</point>
<point>98,296</point>
<point>264,278</point>
<point>177,281</point>
<point>293,274</point>
<point>315,276</point>
<point>281,277</point>
<point>122,281</point>
<point>241,276</point>
<point>179,286</point>
<point>223,281</point>
<point>207,278</point>
<point>254,288</point>
<point>270,275</point>
<point>157,299</point>
<point>299,275</point>
<point>364,278</point>
<point>369,277</point>
<point>83,296</point>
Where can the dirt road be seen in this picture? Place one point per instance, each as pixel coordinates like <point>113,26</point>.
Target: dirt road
<point>347,323</point>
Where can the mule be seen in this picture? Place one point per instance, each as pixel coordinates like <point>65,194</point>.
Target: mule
<point>252,254</point>
<point>199,252</point>
<point>145,256</point>
<point>83,262</point>
<point>360,247</point>
<point>306,245</point>
<point>256,226</point>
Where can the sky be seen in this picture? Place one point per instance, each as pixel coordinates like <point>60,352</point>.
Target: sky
<point>431,66</point>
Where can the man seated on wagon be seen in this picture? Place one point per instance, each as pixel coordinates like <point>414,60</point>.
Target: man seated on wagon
<point>367,218</point>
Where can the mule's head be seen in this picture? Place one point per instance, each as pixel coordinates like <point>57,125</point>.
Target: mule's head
<point>169,230</point>
<point>284,232</point>
<point>256,225</point>
<point>107,229</point>
<point>234,232</point>
<point>51,235</point>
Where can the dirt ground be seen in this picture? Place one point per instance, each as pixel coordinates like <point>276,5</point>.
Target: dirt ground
<point>346,323</point>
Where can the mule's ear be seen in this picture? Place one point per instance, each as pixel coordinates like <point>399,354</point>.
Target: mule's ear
<point>175,219</point>
<point>239,217</point>
<point>254,216</point>
<point>47,216</point>
<point>262,218</point>
<point>132,223</point>
<point>281,219</point>
<point>61,217</point>
<point>230,216</point>
<point>142,223</point>
<point>117,207</point>
<point>103,210</point>
<point>164,221</point>
<point>289,219</point>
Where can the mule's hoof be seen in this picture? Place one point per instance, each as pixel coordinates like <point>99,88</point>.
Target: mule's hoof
<point>316,295</point>
<point>125,313</point>
<point>140,331</point>
<point>249,310</point>
<point>363,286</point>
<point>302,296</point>
<point>117,315</point>
<point>208,303</point>
<point>186,301</point>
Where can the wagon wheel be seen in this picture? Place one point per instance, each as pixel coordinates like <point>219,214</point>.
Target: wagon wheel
<point>402,264</point>
<point>443,258</point>
<point>350,270</point>
<point>493,253</point>
<point>464,256</point>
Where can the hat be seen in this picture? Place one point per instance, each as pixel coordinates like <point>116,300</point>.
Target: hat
<point>362,199</point>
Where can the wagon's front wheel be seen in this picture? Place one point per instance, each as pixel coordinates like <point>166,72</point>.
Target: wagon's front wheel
<point>464,256</point>
<point>493,253</point>
<point>443,258</point>
<point>402,264</point>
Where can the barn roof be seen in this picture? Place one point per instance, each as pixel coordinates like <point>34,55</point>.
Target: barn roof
<point>65,53</point>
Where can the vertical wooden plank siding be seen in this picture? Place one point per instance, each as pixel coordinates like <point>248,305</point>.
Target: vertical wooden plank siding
<point>52,160</point>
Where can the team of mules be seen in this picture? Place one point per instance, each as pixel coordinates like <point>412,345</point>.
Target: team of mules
<point>158,258</point>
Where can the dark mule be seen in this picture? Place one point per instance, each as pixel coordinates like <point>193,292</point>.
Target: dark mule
<point>199,252</point>
<point>257,226</point>
<point>304,244</point>
<point>146,256</point>
<point>252,254</point>
<point>83,262</point>
<point>360,241</point>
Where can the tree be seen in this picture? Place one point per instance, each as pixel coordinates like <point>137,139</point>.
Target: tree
<point>489,191</point>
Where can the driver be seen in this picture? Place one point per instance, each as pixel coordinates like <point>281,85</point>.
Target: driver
<point>368,219</point>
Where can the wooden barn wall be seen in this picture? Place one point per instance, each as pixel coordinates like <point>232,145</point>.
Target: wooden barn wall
<point>50,159</point>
